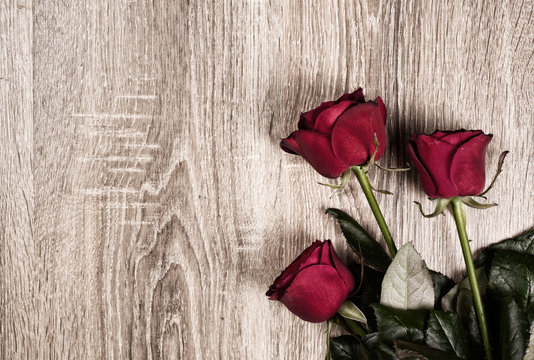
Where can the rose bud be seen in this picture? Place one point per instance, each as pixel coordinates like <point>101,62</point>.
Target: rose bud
<point>314,286</point>
<point>339,134</point>
<point>450,163</point>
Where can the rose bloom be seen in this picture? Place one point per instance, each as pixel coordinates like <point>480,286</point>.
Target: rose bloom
<point>314,286</point>
<point>450,163</point>
<point>339,134</point>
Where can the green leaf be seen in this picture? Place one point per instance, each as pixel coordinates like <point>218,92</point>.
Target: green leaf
<point>522,244</point>
<point>350,311</point>
<point>407,284</point>
<point>396,324</point>
<point>371,341</point>
<point>512,274</point>
<point>369,250</point>
<point>345,347</point>
<point>514,329</point>
<point>442,285</point>
<point>377,351</point>
<point>406,350</point>
<point>445,332</point>
<point>368,291</point>
<point>449,302</point>
<point>460,300</point>
<point>530,349</point>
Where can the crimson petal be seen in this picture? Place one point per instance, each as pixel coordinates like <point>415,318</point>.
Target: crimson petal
<point>426,180</point>
<point>437,156</point>
<point>468,166</point>
<point>328,117</point>
<point>315,294</point>
<point>284,279</point>
<point>353,134</point>
<point>316,149</point>
<point>458,137</point>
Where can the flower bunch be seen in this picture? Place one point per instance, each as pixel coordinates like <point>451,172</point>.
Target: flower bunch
<point>392,306</point>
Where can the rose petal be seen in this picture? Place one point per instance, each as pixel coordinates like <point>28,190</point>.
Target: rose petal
<point>284,279</point>
<point>356,96</point>
<point>458,137</point>
<point>353,134</point>
<point>315,148</point>
<point>289,145</point>
<point>468,166</point>
<point>326,119</point>
<point>307,119</point>
<point>315,294</point>
<point>326,259</point>
<point>343,270</point>
<point>381,109</point>
<point>426,180</point>
<point>436,155</point>
<point>379,123</point>
<point>315,257</point>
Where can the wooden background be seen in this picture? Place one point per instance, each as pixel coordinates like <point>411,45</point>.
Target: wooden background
<point>145,203</point>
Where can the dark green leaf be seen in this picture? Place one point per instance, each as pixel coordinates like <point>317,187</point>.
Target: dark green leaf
<point>442,285</point>
<point>512,274</point>
<point>346,347</point>
<point>368,292</point>
<point>360,241</point>
<point>522,244</point>
<point>514,334</point>
<point>386,352</point>
<point>470,322</point>
<point>462,290</point>
<point>460,300</point>
<point>377,350</point>
<point>406,350</point>
<point>371,341</point>
<point>395,324</point>
<point>445,332</point>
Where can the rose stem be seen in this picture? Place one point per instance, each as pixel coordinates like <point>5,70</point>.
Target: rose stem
<point>361,175</point>
<point>458,209</point>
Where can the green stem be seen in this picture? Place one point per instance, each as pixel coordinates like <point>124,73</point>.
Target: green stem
<point>355,327</point>
<point>458,209</point>
<point>361,175</point>
<point>328,332</point>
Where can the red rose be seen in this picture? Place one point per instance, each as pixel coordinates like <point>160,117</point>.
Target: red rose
<point>314,286</point>
<point>339,134</point>
<point>450,163</point>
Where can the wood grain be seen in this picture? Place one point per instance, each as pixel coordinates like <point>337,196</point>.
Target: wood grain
<point>145,203</point>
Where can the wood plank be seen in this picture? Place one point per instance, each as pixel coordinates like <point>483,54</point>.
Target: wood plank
<point>147,205</point>
<point>19,309</point>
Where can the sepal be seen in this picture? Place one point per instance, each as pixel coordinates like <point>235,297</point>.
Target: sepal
<point>382,191</point>
<point>440,207</point>
<point>469,201</point>
<point>345,177</point>
<point>371,161</point>
<point>350,311</point>
<point>499,170</point>
<point>394,169</point>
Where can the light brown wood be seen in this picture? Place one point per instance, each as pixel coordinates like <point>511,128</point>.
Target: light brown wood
<point>145,203</point>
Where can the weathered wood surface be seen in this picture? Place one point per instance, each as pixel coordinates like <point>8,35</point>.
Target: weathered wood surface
<point>145,203</point>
